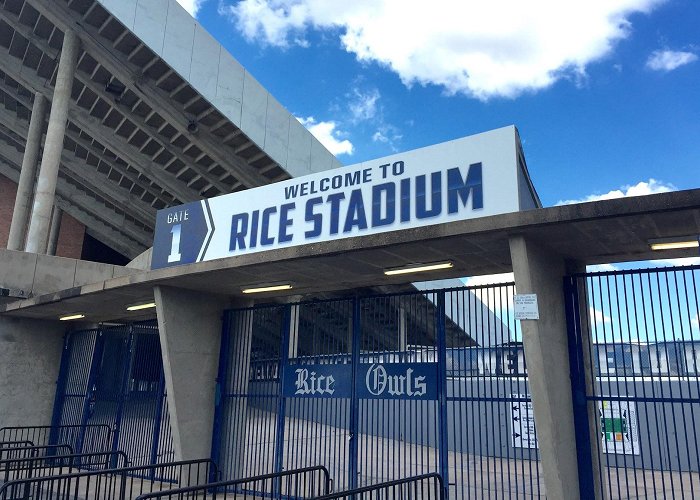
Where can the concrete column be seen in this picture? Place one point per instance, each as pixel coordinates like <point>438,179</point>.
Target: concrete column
<point>54,231</point>
<point>541,272</point>
<point>48,175</point>
<point>189,325</point>
<point>25,188</point>
<point>30,357</point>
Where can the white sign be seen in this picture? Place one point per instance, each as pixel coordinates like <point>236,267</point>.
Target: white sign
<point>522,420</point>
<point>526,306</point>
<point>471,177</point>
<point>618,427</point>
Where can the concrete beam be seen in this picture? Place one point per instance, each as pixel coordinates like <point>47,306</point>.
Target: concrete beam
<point>87,211</point>
<point>190,335</point>
<point>540,271</point>
<point>119,65</point>
<point>12,66</point>
<point>97,182</point>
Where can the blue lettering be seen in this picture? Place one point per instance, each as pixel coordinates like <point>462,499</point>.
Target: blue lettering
<point>254,229</point>
<point>291,191</point>
<point>264,236</point>
<point>239,228</point>
<point>334,200</point>
<point>352,178</point>
<point>422,212</point>
<point>356,212</point>
<point>389,191</point>
<point>324,184</point>
<point>405,200</point>
<point>317,219</point>
<point>459,189</point>
<point>285,222</point>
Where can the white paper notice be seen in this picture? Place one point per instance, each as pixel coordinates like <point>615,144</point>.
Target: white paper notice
<point>526,306</point>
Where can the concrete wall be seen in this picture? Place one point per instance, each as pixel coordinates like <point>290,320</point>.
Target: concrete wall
<point>28,274</point>
<point>30,355</point>
<point>169,31</point>
<point>70,239</point>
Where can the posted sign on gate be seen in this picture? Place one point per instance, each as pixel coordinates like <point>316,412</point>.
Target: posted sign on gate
<point>522,420</point>
<point>470,177</point>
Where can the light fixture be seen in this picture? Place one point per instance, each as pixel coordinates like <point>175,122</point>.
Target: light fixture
<point>418,268</point>
<point>192,126</point>
<point>675,243</point>
<point>266,288</point>
<point>71,316</point>
<point>138,307</point>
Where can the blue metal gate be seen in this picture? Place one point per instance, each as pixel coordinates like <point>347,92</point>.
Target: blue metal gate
<point>635,343</point>
<point>380,388</point>
<point>114,376</point>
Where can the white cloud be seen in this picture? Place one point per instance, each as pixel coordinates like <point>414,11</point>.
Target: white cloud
<point>363,105</point>
<point>685,261</point>
<point>668,60</point>
<point>598,316</point>
<point>640,189</point>
<point>599,268</point>
<point>482,49</point>
<point>327,134</point>
<point>191,6</point>
<point>695,322</point>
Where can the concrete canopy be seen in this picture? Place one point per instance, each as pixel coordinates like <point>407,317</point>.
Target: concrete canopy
<point>586,233</point>
<point>160,115</point>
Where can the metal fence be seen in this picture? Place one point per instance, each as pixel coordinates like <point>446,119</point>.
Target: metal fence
<point>113,378</point>
<point>422,487</point>
<point>20,468</point>
<point>112,484</point>
<point>35,451</point>
<point>308,482</point>
<point>635,364</point>
<point>381,388</point>
<point>78,437</point>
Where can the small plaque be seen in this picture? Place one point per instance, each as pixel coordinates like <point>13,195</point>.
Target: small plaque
<point>526,306</point>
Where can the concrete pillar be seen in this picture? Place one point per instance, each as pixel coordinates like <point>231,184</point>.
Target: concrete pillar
<point>54,231</point>
<point>541,272</point>
<point>48,175</point>
<point>25,188</point>
<point>189,326</point>
<point>30,357</point>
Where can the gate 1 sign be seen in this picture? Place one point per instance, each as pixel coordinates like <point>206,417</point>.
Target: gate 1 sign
<point>470,177</point>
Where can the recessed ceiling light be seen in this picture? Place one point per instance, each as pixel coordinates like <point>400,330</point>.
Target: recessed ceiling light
<point>266,288</point>
<point>675,243</point>
<point>138,307</point>
<point>418,268</point>
<point>71,316</point>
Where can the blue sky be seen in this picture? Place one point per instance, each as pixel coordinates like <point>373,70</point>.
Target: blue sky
<point>605,94</point>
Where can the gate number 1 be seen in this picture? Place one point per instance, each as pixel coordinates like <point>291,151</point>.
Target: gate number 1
<point>175,255</point>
